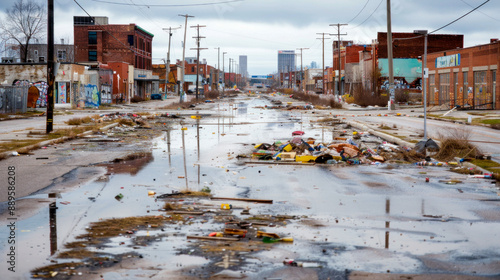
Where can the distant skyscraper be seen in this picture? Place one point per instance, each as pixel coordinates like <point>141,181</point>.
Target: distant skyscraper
<point>286,61</point>
<point>314,65</point>
<point>243,66</point>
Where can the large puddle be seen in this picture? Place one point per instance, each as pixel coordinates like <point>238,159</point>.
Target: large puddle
<point>374,218</point>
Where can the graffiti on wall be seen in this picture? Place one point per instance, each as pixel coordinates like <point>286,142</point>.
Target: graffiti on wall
<point>62,92</point>
<point>43,88</point>
<point>91,96</point>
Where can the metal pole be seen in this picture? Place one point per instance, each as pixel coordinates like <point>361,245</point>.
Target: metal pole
<point>389,55</point>
<point>167,65</point>
<point>223,74</point>
<point>184,155</point>
<point>218,67</point>
<point>50,66</point>
<point>425,86</point>
<point>181,94</point>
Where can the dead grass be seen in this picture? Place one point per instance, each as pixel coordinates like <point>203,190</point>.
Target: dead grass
<point>76,254</point>
<point>79,121</point>
<point>54,267</point>
<point>314,99</point>
<point>116,226</point>
<point>455,143</point>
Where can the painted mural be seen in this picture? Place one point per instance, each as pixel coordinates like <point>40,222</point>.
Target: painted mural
<point>408,68</point>
<point>61,92</point>
<point>91,96</point>
<point>43,88</point>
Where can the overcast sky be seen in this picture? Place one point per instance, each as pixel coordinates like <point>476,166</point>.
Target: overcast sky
<point>259,28</point>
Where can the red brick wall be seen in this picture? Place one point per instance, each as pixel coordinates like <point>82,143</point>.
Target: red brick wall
<point>413,48</point>
<point>112,45</point>
<point>486,56</point>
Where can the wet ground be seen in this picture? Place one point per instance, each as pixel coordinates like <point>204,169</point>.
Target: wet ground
<point>368,218</point>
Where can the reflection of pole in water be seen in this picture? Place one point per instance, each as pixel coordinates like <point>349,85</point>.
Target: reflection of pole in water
<point>53,228</point>
<point>198,175</point>
<point>184,155</point>
<point>387,223</point>
<point>323,134</point>
<point>198,132</point>
<point>168,148</point>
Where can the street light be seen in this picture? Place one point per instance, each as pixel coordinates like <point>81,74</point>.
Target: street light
<point>425,74</point>
<point>223,74</point>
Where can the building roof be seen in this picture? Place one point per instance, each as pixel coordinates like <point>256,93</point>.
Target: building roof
<point>143,30</point>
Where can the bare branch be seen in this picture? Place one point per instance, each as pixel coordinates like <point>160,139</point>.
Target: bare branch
<point>24,21</point>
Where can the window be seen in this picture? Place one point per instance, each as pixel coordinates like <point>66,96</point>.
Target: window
<point>432,89</point>
<point>92,38</point>
<point>131,40</point>
<point>455,89</point>
<point>61,54</point>
<point>36,52</point>
<point>444,88</point>
<point>41,59</point>
<point>481,96</point>
<point>465,94</point>
<point>92,55</point>
<point>192,69</point>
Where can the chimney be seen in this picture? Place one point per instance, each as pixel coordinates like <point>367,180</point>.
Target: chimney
<point>494,40</point>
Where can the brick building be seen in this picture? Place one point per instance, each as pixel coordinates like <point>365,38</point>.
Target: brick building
<point>408,49</point>
<point>97,42</point>
<point>466,77</point>
<point>350,67</point>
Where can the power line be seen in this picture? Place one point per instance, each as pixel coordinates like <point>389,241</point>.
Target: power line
<point>448,24</point>
<point>481,11</point>
<point>359,11</point>
<point>369,15</point>
<point>460,17</point>
<point>169,5</point>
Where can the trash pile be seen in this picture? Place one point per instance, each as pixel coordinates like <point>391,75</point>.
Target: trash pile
<point>340,150</point>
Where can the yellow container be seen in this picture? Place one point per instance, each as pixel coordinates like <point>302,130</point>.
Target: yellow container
<point>305,158</point>
<point>288,148</point>
<point>226,206</point>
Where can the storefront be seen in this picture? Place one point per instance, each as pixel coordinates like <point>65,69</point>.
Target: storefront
<point>465,77</point>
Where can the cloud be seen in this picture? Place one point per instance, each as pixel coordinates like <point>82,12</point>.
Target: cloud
<point>259,28</point>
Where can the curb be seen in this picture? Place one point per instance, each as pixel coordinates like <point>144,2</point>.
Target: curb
<point>36,146</point>
<point>382,135</point>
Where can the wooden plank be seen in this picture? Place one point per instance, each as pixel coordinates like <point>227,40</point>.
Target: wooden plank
<point>270,201</point>
<point>213,238</point>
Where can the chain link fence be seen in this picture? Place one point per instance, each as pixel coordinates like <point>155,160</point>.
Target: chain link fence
<point>13,99</point>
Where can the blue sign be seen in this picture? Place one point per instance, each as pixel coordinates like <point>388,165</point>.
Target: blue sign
<point>262,77</point>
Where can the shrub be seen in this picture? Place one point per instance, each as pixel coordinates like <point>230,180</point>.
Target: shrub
<point>136,99</point>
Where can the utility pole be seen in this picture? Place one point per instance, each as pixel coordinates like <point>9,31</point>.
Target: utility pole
<point>183,67</point>
<point>323,44</point>
<point>50,66</point>
<point>223,75</point>
<point>198,54</point>
<point>218,67</point>
<point>301,68</point>
<point>229,83</point>
<point>389,57</point>
<point>167,65</point>
<point>340,61</point>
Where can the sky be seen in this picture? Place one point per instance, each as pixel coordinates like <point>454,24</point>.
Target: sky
<point>259,28</point>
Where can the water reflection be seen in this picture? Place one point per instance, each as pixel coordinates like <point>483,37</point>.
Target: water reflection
<point>53,227</point>
<point>387,223</point>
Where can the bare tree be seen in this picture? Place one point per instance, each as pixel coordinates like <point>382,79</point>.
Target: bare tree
<point>23,22</point>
